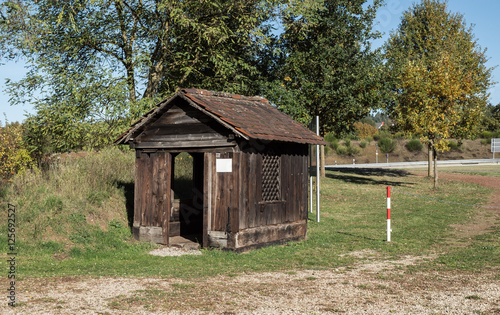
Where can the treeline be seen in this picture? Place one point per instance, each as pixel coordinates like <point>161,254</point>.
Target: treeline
<point>382,131</point>
<point>96,66</point>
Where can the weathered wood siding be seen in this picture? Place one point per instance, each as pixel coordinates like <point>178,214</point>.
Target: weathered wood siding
<point>152,192</point>
<point>183,126</point>
<point>224,201</point>
<point>254,212</point>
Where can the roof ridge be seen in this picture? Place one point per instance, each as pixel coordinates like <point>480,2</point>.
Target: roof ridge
<point>224,95</point>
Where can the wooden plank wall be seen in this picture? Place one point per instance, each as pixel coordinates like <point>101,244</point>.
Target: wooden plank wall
<point>253,212</point>
<point>224,201</point>
<point>152,190</point>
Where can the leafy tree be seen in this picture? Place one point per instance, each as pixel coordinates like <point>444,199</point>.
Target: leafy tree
<point>437,76</point>
<point>492,117</point>
<point>89,59</point>
<point>324,65</point>
<point>364,130</point>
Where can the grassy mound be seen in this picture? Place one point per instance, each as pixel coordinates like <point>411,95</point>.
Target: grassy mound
<point>81,202</point>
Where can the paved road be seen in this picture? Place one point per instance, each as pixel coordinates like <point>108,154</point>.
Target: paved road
<point>416,164</point>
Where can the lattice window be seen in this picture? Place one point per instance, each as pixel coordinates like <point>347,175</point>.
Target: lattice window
<point>271,177</point>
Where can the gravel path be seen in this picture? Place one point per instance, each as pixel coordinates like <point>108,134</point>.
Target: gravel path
<point>371,288</point>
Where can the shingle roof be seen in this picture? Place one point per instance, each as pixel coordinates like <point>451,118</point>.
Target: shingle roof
<point>248,117</point>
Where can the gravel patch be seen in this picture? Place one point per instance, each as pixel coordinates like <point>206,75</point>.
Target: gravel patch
<point>173,251</point>
<point>374,287</point>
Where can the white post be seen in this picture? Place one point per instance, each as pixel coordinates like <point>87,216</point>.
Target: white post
<point>317,170</point>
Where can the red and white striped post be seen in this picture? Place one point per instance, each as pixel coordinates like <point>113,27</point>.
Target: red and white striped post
<point>388,213</point>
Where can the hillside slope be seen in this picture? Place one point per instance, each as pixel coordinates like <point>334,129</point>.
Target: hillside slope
<point>470,149</point>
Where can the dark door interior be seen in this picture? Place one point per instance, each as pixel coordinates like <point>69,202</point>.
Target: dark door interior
<point>187,205</point>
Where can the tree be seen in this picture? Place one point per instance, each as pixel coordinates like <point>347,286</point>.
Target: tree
<point>120,47</point>
<point>437,76</point>
<point>325,66</point>
<point>492,117</point>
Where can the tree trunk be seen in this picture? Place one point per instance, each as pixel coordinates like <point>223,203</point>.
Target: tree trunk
<point>435,168</point>
<point>130,81</point>
<point>322,162</point>
<point>429,161</point>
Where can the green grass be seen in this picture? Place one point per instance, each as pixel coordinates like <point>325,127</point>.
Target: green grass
<point>73,221</point>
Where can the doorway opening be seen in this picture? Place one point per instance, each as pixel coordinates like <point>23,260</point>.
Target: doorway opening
<point>186,218</point>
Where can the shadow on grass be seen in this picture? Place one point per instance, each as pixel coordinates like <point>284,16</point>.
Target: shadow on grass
<point>128,190</point>
<point>364,176</point>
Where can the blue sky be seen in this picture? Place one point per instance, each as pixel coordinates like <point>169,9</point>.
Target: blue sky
<point>482,14</point>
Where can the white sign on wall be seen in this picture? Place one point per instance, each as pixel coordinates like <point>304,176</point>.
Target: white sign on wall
<point>224,165</point>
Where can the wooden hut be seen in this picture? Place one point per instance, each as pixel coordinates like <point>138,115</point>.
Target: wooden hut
<point>249,171</point>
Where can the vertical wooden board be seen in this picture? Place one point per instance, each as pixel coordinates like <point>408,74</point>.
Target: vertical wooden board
<point>215,189</point>
<point>243,190</point>
<point>271,213</point>
<point>155,189</point>
<point>297,186</point>
<point>305,189</point>
<point>296,190</point>
<point>174,212</point>
<point>165,202</point>
<point>259,213</point>
<point>149,188</point>
<point>293,188</point>
<point>218,195</point>
<point>138,187</point>
<point>286,191</point>
<point>146,188</point>
<point>252,191</point>
<point>207,196</point>
<point>225,196</point>
<point>235,194</point>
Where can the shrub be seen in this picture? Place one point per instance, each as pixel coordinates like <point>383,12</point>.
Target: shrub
<point>347,148</point>
<point>414,145</point>
<point>364,130</point>
<point>330,137</point>
<point>351,136</point>
<point>387,145</point>
<point>352,150</point>
<point>454,145</point>
<point>486,134</point>
<point>384,134</point>
<point>486,141</point>
<point>341,150</point>
<point>332,141</point>
<point>399,135</point>
<point>363,144</point>
<point>14,157</point>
